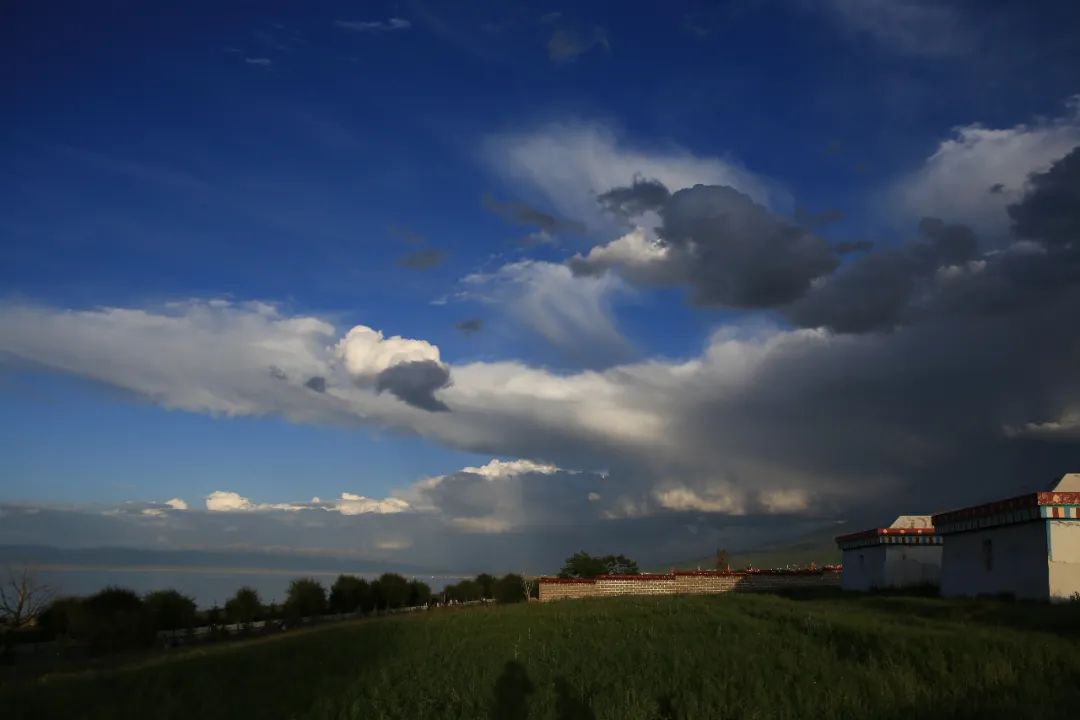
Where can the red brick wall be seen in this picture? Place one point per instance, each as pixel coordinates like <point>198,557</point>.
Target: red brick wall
<point>685,583</point>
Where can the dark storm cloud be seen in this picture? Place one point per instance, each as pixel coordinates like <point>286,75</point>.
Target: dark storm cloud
<point>519,213</point>
<point>415,383</point>
<point>738,254</point>
<point>1050,212</point>
<point>641,196</point>
<point>846,248</point>
<point>814,220</point>
<point>876,292</point>
<point>316,383</point>
<point>470,326</point>
<point>727,249</point>
<point>424,259</point>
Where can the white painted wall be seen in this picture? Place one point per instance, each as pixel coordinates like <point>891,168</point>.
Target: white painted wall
<point>907,565</point>
<point>1019,562</point>
<point>1064,536</point>
<point>864,568</point>
<point>880,566</point>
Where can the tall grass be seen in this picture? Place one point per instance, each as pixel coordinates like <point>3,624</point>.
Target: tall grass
<point>732,656</point>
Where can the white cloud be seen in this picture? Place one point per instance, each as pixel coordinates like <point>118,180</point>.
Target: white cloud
<point>351,504</point>
<point>571,163</point>
<point>367,353</point>
<point>227,501</point>
<point>714,501</point>
<point>347,504</point>
<point>635,252</point>
<point>977,173</point>
<point>177,504</point>
<point>503,468</point>
<point>572,313</point>
<point>259,61</point>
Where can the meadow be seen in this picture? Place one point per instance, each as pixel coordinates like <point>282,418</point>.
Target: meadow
<point>819,654</point>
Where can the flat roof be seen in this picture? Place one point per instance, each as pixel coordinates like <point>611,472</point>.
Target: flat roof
<point>1022,508</point>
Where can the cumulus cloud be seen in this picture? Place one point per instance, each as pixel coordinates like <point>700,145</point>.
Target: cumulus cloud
<point>408,369</point>
<point>975,175</point>
<point>226,501</point>
<point>569,164</point>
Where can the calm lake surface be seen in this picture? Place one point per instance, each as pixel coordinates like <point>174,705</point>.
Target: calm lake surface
<point>209,586</point>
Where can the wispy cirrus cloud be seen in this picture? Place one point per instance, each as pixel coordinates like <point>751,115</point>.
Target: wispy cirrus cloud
<point>391,24</point>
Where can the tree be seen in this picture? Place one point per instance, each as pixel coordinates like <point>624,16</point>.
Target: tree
<point>114,619</point>
<point>508,589</point>
<point>529,587</point>
<point>419,593</point>
<point>245,607</point>
<point>170,610</point>
<point>583,565</point>
<point>350,594</point>
<point>487,585</point>
<point>306,597</point>
<point>464,591</point>
<point>22,597</point>
<point>393,590</point>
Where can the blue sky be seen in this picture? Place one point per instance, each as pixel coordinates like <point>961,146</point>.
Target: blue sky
<point>376,165</point>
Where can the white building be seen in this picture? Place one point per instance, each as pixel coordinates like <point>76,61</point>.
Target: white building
<point>906,553</point>
<point>1027,546</point>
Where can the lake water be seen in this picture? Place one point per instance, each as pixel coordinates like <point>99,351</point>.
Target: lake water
<point>209,586</point>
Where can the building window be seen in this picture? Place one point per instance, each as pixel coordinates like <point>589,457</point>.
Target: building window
<point>988,555</point>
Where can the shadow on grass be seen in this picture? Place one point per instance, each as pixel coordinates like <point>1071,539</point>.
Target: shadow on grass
<point>924,602</point>
<point>510,700</point>
<point>510,697</point>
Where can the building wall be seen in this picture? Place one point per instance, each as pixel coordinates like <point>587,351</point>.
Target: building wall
<point>863,568</point>
<point>1018,561</point>
<point>891,566</point>
<point>1064,557</point>
<point>907,565</point>
<point>684,583</point>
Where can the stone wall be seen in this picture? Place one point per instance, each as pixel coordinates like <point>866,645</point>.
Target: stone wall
<point>687,582</point>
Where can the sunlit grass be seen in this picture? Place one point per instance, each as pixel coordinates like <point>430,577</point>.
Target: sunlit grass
<point>750,656</point>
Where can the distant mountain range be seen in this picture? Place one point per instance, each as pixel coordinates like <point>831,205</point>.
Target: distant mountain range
<point>120,557</point>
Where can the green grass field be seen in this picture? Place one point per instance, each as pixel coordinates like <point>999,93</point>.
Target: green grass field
<point>732,656</point>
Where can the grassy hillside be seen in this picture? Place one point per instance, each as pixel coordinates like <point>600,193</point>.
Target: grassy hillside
<point>818,546</point>
<point>734,656</point>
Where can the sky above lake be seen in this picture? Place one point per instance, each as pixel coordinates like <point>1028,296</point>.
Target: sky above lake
<point>473,284</point>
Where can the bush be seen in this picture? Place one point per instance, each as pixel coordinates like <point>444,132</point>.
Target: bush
<point>59,617</point>
<point>112,620</point>
<point>350,594</point>
<point>170,610</point>
<point>306,597</point>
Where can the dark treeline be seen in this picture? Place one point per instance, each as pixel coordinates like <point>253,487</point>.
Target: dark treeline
<point>118,619</point>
